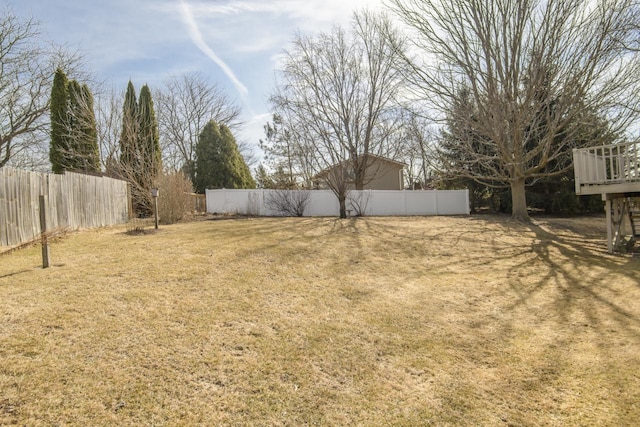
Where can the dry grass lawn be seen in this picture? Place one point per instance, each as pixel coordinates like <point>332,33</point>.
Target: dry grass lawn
<point>372,321</point>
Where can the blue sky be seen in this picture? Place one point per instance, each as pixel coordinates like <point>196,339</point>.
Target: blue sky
<point>236,43</point>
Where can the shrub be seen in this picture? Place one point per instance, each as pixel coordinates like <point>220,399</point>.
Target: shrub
<point>359,201</point>
<point>288,202</point>
<point>175,197</point>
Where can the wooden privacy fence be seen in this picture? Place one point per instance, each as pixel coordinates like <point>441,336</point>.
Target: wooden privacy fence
<point>73,201</point>
<point>198,202</point>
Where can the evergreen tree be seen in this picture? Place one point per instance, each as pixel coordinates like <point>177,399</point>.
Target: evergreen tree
<point>283,154</point>
<point>149,140</point>
<point>58,110</point>
<point>129,135</point>
<point>459,138</point>
<point>207,157</point>
<point>91,131</point>
<point>140,156</point>
<point>277,180</point>
<point>74,138</point>
<point>219,164</point>
<point>239,174</point>
<point>263,179</point>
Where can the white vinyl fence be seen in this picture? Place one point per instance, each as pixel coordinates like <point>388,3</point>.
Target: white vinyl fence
<point>73,201</point>
<point>325,203</point>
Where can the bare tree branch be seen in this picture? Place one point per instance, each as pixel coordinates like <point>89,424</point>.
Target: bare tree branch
<point>185,105</point>
<point>28,65</point>
<point>288,202</point>
<point>337,98</point>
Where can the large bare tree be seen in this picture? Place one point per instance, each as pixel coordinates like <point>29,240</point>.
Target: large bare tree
<point>337,98</point>
<point>185,105</point>
<point>415,143</point>
<point>532,71</point>
<point>28,63</point>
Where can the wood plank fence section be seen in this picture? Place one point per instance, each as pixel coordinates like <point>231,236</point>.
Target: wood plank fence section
<point>198,202</point>
<point>73,201</point>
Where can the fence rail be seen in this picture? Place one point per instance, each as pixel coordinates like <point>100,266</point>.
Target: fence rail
<point>325,203</point>
<point>73,201</point>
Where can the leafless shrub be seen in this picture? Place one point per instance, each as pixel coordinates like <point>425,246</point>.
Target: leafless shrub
<point>135,226</point>
<point>174,198</point>
<point>359,201</point>
<point>288,202</point>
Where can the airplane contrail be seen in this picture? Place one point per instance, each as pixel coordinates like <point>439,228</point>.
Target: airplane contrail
<point>198,40</point>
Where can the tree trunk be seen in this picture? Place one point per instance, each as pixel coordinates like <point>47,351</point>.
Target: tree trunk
<point>342,198</point>
<point>359,171</point>
<point>473,196</point>
<point>358,181</point>
<point>519,201</point>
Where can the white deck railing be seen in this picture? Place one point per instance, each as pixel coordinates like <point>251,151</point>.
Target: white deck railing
<point>607,164</point>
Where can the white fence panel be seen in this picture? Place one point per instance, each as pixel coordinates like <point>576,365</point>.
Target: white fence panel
<point>237,201</point>
<point>387,203</point>
<point>243,202</point>
<point>215,201</point>
<point>450,201</point>
<point>325,203</point>
<point>424,202</point>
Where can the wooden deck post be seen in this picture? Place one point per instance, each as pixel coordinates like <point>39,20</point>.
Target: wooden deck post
<point>607,208</point>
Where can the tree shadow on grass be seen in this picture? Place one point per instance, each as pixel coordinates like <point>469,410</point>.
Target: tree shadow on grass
<point>562,292</point>
<point>555,278</point>
<point>571,262</point>
<point>15,273</point>
<point>576,299</point>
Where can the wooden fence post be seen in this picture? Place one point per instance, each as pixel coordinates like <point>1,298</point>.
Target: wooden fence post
<point>129,201</point>
<point>43,231</point>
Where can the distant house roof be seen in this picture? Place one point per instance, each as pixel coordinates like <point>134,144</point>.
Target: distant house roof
<point>400,165</point>
<point>386,159</point>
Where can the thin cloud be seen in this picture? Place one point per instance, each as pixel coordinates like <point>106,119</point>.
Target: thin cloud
<point>198,40</point>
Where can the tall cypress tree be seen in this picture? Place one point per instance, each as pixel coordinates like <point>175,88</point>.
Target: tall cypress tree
<point>149,140</point>
<point>90,131</point>
<point>140,158</point>
<point>207,157</point>
<point>129,133</point>
<point>58,113</point>
<point>219,164</point>
<point>74,138</point>
<point>239,175</point>
<point>74,126</point>
<point>130,167</point>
